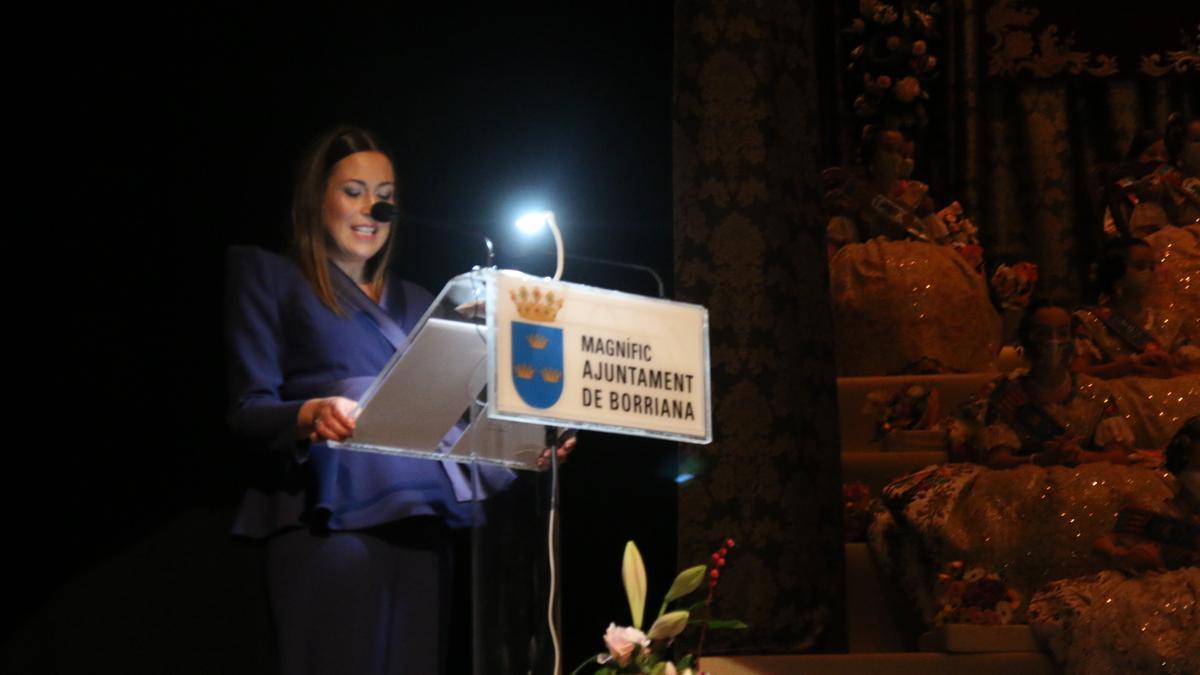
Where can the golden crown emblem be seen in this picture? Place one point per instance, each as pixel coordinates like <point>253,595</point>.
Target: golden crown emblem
<point>535,306</point>
<point>551,374</point>
<point>524,371</point>
<point>537,341</point>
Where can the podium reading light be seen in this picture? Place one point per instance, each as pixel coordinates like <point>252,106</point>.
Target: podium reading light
<point>531,223</point>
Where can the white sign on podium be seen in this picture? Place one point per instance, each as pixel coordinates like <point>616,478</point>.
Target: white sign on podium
<point>544,352</point>
<point>583,357</point>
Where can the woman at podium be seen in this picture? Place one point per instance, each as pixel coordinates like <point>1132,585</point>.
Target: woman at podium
<point>357,544</point>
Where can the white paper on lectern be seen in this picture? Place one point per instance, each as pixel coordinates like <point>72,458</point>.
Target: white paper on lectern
<point>425,392</point>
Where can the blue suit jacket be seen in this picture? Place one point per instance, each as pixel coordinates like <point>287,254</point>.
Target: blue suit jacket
<point>287,347</point>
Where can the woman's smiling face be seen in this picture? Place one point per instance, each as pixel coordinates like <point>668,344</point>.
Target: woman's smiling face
<point>355,184</point>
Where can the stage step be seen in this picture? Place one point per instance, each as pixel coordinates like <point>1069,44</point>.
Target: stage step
<point>877,469</point>
<point>858,427</point>
<point>871,624</point>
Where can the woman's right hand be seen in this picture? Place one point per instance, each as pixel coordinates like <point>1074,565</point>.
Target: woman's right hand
<point>1124,364</point>
<point>1144,555</point>
<point>1063,451</point>
<point>327,419</point>
<point>1154,364</point>
<point>1120,366</point>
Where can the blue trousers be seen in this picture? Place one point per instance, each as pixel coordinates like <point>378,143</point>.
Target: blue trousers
<point>362,602</point>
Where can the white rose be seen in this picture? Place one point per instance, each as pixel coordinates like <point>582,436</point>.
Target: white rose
<point>1004,610</point>
<point>621,641</point>
<point>670,669</point>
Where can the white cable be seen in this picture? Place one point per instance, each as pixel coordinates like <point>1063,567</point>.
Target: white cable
<point>550,545</point>
<point>558,244</point>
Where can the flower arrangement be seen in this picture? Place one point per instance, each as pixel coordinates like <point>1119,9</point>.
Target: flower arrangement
<point>962,235</point>
<point>891,56</point>
<point>1014,285</point>
<point>959,228</point>
<point>913,406</point>
<point>629,650</point>
<point>973,596</point>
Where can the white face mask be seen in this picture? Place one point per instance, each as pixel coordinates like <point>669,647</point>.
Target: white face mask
<point>1051,353</point>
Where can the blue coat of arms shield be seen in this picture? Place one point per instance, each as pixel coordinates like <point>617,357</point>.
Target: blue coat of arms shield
<point>537,363</point>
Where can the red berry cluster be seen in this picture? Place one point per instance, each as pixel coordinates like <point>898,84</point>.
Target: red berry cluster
<point>718,561</point>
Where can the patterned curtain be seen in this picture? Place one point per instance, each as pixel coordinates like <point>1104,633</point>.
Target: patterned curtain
<point>1033,99</point>
<point>1040,97</point>
<point>749,246</point>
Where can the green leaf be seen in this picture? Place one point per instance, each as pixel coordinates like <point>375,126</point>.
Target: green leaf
<point>719,624</point>
<point>687,581</point>
<point>668,625</point>
<point>659,668</point>
<point>633,574</point>
<point>685,662</point>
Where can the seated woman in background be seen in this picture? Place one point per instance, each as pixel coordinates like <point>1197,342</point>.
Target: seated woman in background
<point>892,281</point>
<point>1047,416</point>
<point>1181,174</point>
<point>1134,190</point>
<point>1165,535</point>
<point>880,200</point>
<point>1141,617</point>
<point>1122,335</point>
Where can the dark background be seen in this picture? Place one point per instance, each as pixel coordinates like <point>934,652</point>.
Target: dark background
<point>158,138</point>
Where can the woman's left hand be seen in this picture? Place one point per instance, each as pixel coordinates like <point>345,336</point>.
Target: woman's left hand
<point>1154,364</point>
<point>564,451</point>
<point>1065,451</point>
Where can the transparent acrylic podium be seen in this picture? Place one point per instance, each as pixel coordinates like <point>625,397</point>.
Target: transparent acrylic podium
<point>434,384</point>
<point>426,404</point>
<point>429,403</point>
<point>457,352</point>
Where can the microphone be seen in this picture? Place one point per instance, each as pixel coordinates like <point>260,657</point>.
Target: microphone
<point>385,212</point>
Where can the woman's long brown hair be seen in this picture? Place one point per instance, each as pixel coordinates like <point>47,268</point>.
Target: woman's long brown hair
<point>310,242</point>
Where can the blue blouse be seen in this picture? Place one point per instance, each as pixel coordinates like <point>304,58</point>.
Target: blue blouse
<point>286,347</point>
